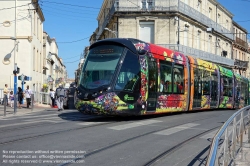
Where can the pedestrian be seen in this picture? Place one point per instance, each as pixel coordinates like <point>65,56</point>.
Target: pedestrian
<point>20,97</point>
<point>52,96</point>
<point>11,97</point>
<point>28,93</point>
<point>60,95</point>
<point>6,92</point>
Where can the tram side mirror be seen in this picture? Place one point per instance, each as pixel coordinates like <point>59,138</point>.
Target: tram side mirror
<point>142,52</point>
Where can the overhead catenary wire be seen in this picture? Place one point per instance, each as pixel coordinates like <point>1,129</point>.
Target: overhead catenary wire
<point>67,4</point>
<point>14,7</point>
<point>73,61</point>
<point>58,13</point>
<point>75,40</point>
<point>70,10</point>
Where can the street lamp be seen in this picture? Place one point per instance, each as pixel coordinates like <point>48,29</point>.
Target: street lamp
<point>114,32</point>
<point>15,71</point>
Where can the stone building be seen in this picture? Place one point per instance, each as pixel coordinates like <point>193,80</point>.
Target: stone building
<point>53,68</point>
<point>240,50</point>
<point>200,28</point>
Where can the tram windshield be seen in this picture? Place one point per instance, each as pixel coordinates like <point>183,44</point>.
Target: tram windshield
<point>100,66</point>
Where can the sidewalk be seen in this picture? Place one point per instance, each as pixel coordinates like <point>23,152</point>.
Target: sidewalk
<point>24,110</point>
<point>243,157</point>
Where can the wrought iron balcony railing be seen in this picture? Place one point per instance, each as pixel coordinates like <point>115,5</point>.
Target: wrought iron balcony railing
<point>162,6</point>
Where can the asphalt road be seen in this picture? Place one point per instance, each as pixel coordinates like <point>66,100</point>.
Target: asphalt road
<point>50,137</point>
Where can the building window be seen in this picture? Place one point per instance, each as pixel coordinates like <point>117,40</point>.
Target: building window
<point>34,59</point>
<point>199,5</point>
<point>144,4</point>
<point>146,31</point>
<point>210,12</point>
<point>209,43</point>
<point>227,24</point>
<point>117,4</point>
<point>218,18</point>
<point>34,24</point>
<point>150,4</point>
<point>198,39</point>
<point>186,37</point>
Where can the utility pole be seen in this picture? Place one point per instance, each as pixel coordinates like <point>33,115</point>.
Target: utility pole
<point>15,65</point>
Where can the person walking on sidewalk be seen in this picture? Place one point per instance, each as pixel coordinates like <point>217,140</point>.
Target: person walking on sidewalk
<point>11,99</point>
<point>20,97</point>
<point>28,93</point>
<point>60,95</point>
<point>6,92</point>
<point>52,96</point>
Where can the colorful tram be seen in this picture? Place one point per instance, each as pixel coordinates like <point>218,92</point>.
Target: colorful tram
<point>132,77</point>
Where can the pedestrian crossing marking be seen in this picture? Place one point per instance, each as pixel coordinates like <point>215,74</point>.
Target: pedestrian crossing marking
<point>134,124</point>
<point>176,129</point>
<point>209,135</point>
<point>91,123</point>
<point>22,123</point>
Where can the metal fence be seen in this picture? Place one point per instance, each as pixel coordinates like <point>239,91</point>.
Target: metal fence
<point>228,141</point>
<point>39,97</point>
<point>199,54</point>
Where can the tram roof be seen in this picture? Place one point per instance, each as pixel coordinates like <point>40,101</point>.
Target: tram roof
<point>127,42</point>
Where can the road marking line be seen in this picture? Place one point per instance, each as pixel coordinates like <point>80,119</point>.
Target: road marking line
<point>209,135</point>
<point>30,116</point>
<point>135,124</point>
<point>176,129</point>
<point>90,123</point>
<point>16,124</point>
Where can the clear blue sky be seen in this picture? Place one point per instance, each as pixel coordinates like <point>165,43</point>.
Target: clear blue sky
<point>73,22</point>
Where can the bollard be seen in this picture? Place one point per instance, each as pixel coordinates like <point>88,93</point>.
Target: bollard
<point>32,102</point>
<point>5,104</point>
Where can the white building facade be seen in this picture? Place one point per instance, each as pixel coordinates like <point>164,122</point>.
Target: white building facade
<point>53,68</point>
<point>21,21</point>
<point>21,42</point>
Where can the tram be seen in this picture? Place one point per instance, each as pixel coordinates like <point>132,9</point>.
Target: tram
<point>133,77</point>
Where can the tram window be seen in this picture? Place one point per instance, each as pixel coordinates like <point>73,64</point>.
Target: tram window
<point>129,76</point>
<point>227,91</point>
<point>243,91</point>
<point>166,77</point>
<point>206,82</point>
<point>246,93</point>
<point>178,79</point>
<point>230,87</point>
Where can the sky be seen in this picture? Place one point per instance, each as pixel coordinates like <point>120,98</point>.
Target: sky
<point>72,22</point>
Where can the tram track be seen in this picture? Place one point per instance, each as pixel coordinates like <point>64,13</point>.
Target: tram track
<point>156,158</point>
<point>164,154</point>
<point>50,133</point>
<point>47,124</point>
<point>85,127</point>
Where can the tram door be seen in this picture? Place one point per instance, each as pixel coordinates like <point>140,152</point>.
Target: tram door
<point>214,90</point>
<point>152,85</point>
<point>197,88</point>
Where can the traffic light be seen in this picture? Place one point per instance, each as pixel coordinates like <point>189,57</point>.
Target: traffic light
<point>16,71</point>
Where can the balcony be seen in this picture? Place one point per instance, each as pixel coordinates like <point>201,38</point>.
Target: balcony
<point>239,64</point>
<point>163,6</point>
<point>241,42</point>
<point>200,54</point>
